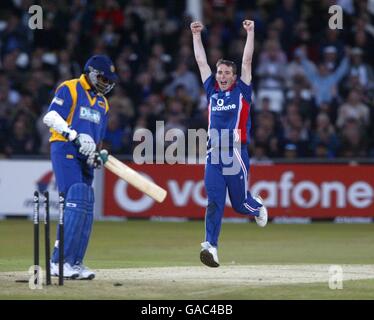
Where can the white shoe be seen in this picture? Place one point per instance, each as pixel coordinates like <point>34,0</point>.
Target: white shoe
<point>69,272</point>
<point>209,255</point>
<point>262,219</point>
<point>84,272</point>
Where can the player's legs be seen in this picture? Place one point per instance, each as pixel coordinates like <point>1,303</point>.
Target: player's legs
<point>84,272</point>
<point>75,213</point>
<point>87,227</point>
<point>216,190</point>
<point>72,180</point>
<point>240,196</point>
<point>215,186</point>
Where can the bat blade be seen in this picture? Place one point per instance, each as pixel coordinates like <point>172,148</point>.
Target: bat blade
<point>135,179</point>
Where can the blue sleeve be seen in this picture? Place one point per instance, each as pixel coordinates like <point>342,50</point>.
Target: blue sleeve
<point>309,69</point>
<point>246,90</point>
<point>62,102</point>
<point>209,85</point>
<point>341,71</point>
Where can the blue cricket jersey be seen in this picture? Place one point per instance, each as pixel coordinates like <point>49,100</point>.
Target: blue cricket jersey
<point>82,109</point>
<point>230,110</point>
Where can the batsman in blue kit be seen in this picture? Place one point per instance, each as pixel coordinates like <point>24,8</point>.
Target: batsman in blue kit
<point>77,118</point>
<point>229,102</point>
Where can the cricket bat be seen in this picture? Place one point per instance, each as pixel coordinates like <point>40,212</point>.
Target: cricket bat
<point>132,177</point>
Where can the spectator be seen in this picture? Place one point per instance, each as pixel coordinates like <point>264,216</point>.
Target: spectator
<point>183,76</point>
<point>267,131</point>
<point>144,86</point>
<point>323,81</point>
<point>122,105</point>
<point>23,141</point>
<point>353,108</point>
<point>297,103</point>
<point>182,95</point>
<point>325,140</point>
<point>113,139</point>
<point>271,73</point>
<point>353,140</point>
<point>288,13</point>
<point>330,58</point>
<point>295,131</point>
<point>361,70</point>
<point>294,70</point>
<point>290,151</point>
<point>332,46</point>
<point>259,153</point>
<point>14,36</point>
<point>67,69</point>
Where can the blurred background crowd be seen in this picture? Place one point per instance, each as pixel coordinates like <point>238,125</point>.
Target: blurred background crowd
<point>313,86</point>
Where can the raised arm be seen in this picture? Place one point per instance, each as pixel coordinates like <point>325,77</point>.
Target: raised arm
<point>341,71</point>
<point>308,66</point>
<point>246,75</point>
<point>200,56</point>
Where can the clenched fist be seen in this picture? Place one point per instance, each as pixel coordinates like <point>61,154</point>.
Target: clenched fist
<point>249,25</point>
<point>196,27</point>
<point>97,159</point>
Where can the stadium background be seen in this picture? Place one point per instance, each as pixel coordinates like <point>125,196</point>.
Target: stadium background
<point>295,120</point>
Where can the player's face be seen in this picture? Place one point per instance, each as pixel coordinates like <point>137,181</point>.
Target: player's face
<point>225,76</point>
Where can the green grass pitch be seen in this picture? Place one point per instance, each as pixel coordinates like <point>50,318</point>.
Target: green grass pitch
<point>160,260</point>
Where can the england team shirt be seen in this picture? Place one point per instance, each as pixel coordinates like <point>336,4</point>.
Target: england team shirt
<point>229,113</point>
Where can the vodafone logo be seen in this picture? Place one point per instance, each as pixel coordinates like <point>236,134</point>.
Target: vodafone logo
<point>221,107</point>
<point>284,192</point>
<point>307,194</point>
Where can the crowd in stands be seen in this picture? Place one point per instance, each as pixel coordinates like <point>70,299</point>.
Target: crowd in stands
<point>313,87</point>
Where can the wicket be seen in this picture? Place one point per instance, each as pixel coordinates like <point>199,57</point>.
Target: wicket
<point>61,259</point>
<point>36,235</point>
<point>47,237</point>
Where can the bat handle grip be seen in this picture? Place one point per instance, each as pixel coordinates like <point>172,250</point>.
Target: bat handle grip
<point>104,155</point>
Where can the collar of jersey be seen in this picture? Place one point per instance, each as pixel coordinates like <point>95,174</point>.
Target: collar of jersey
<point>87,88</point>
<point>84,82</point>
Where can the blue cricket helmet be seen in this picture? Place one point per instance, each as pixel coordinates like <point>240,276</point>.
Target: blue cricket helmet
<point>101,72</point>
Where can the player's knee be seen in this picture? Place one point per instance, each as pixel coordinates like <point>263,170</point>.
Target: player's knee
<point>78,190</point>
<point>211,208</point>
<point>80,195</point>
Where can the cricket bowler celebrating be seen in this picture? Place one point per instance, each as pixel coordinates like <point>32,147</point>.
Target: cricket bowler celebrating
<point>77,118</point>
<point>229,107</point>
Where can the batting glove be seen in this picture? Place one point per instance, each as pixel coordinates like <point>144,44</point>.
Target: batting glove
<point>96,159</point>
<point>86,144</point>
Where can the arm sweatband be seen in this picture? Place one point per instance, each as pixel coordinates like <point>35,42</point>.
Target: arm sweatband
<point>53,120</point>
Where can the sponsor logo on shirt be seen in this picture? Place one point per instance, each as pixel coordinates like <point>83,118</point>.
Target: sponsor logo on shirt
<point>90,114</point>
<point>101,104</point>
<point>58,101</point>
<point>221,107</point>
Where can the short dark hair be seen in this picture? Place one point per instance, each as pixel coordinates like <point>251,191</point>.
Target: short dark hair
<point>228,63</point>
